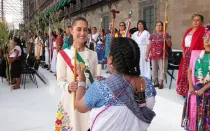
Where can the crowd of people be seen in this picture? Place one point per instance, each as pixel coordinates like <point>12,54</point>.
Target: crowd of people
<point>125,100</point>
<point>128,94</point>
<point>93,98</point>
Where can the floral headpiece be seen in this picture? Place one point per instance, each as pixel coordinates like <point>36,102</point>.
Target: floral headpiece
<point>207,32</point>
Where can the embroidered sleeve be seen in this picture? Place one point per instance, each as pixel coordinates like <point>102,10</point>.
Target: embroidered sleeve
<point>150,89</point>
<point>61,68</point>
<point>93,96</point>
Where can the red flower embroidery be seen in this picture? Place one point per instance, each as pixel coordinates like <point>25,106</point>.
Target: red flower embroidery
<point>59,122</point>
<point>62,120</point>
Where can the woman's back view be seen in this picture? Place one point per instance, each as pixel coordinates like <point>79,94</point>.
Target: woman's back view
<point>123,101</point>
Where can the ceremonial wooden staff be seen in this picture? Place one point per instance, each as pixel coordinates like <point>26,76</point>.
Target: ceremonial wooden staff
<point>164,36</point>
<point>114,12</point>
<point>128,23</point>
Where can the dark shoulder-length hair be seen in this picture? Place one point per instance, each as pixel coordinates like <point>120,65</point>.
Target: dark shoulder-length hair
<point>103,31</point>
<point>16,39</point>
<point>144,24</point>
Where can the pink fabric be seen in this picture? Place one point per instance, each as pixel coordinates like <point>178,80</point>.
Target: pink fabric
<point>194,56</point>
<point>193,102</point>
<point>207,32</point>
<point>193,112</point>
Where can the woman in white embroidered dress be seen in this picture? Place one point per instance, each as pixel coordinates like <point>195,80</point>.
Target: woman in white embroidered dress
<point>68,118</point>
<point>141,37</point>
<point>54,54</point>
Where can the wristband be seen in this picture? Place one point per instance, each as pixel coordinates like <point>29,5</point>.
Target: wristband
<point>81,84</point>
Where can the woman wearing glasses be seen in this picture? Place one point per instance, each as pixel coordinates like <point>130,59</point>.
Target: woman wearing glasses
<point>122,30</point>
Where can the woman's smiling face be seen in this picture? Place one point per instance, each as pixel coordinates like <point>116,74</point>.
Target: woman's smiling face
<point>80,31</point>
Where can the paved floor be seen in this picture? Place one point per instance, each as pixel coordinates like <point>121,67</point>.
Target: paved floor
<point>33,109</point>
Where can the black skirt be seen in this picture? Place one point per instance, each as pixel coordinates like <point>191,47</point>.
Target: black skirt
<point>16,69</point>
<point>2,68</point>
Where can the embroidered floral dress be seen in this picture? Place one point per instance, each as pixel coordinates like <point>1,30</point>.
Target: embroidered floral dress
<point>67,118</point>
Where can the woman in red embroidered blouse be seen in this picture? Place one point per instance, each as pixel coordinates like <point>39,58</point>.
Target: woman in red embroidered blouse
<point>155,49</point>
<point>193,40</point>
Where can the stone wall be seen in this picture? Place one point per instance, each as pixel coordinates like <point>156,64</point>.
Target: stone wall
<point>180,12</point>
<point>124,6</point>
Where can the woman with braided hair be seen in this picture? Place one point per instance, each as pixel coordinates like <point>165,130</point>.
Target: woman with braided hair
<point>124,98</point>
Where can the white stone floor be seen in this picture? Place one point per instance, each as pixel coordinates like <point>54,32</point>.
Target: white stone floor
<point>33,109</point>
